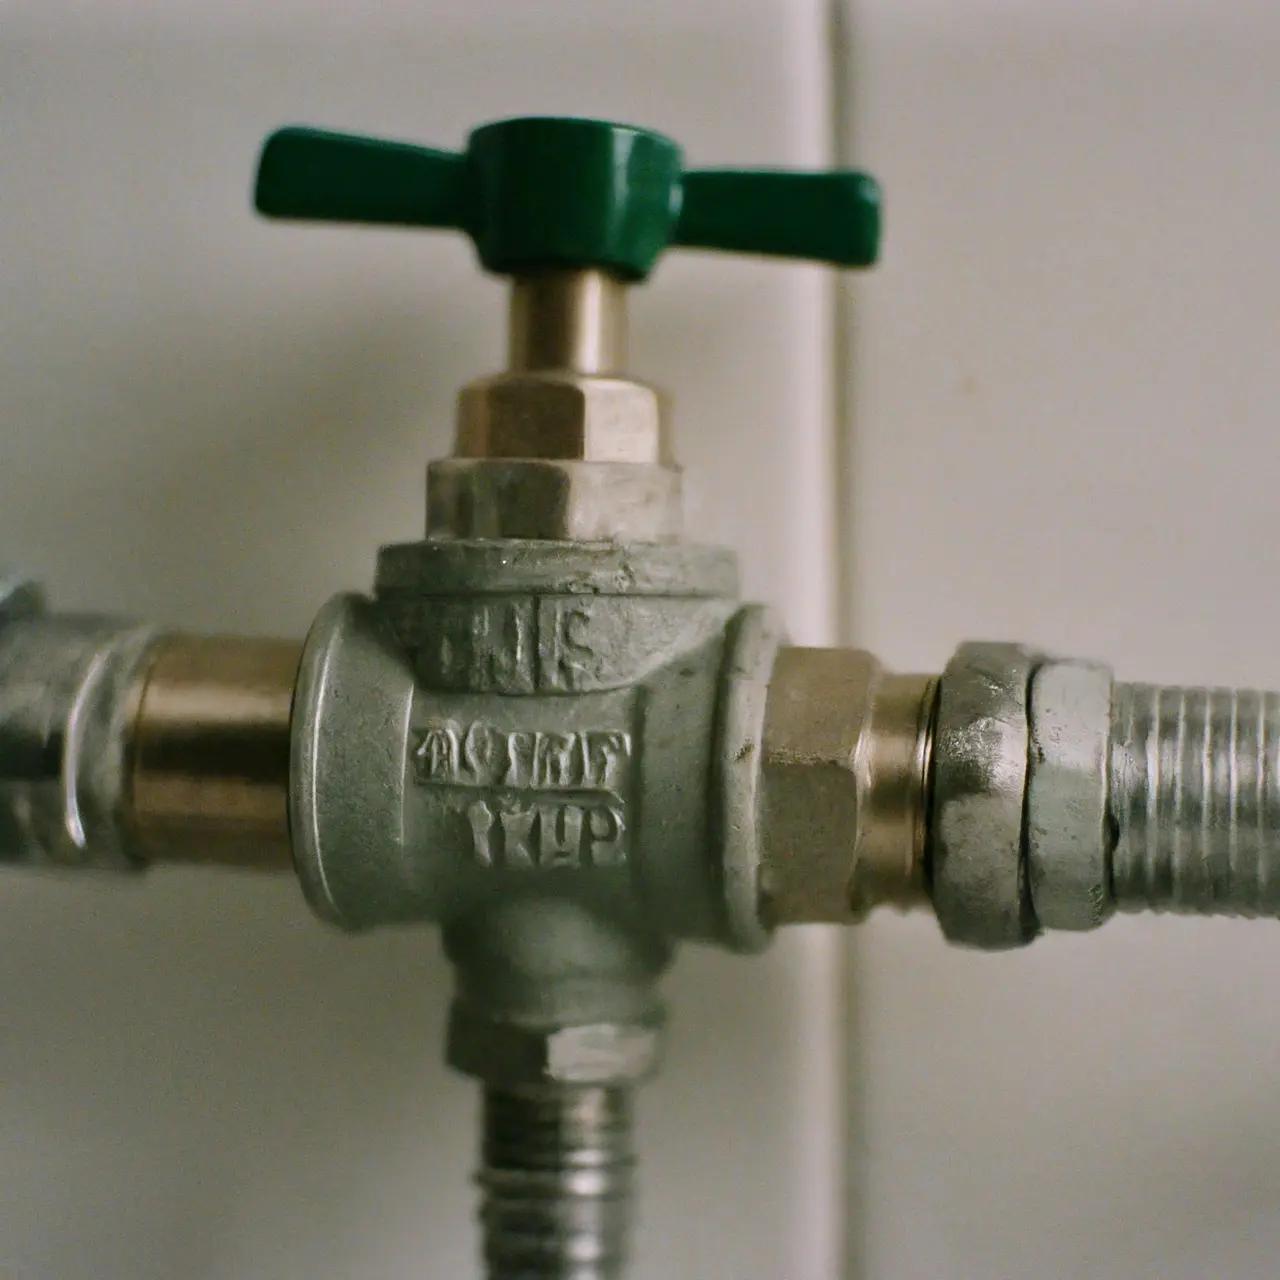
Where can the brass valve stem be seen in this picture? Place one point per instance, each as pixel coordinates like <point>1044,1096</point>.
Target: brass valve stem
<point>209,756</point>
<point>573,321</point>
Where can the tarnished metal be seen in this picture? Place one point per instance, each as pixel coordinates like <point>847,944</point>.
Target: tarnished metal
<point>1068,828</point>
<point>557,1170</point>
<point>846,749</point>
<point>755,637</point>
<point>67,709</point>
<point>498,717</point>
<point>209,759</point>
<point>1195,798</point>
<point>509,1054</point>
<point>562,446</point>
<point>553,501</point>
<point>979,884</point>
<point>120,746</point>
<point>571,416</point>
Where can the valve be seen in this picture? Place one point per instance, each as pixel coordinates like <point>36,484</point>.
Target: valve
<point>553,730</point>
<point>543,732</point>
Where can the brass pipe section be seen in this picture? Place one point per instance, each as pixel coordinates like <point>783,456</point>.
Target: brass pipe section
<point>570,321</point>
<point>844,787</point>
<point>209,756</point>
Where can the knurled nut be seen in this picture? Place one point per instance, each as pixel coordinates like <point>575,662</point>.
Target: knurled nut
<point>979,883</point>
<point>1068,828</point>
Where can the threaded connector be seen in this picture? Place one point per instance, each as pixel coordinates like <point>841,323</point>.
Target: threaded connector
<point>1195,796</point>
<point>557,1180</point>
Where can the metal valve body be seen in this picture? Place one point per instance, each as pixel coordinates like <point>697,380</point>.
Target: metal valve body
<point>542,732</point>
<point>519,741</point>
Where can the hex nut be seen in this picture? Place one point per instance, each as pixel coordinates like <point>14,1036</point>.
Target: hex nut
<point>979,875</point>
<point>506,1055</point>
<point>561,415</point>
<point>1068,832</point>
<point>843,782</point>
<point>562,501</point>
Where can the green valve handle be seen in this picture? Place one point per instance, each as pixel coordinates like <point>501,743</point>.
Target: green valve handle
<point>540,193</point>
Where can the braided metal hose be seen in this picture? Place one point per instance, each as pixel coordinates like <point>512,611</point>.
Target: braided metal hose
<point>557,1181</point>
<point>1195,796</point>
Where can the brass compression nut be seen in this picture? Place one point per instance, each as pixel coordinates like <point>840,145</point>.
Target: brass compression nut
<point>844,786</point>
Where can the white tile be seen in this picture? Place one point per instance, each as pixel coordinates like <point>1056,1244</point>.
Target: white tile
<point>214,422</point>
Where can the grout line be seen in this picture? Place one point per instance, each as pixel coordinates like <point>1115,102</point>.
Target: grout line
<point>851,1192</point>
<point>842,329</point>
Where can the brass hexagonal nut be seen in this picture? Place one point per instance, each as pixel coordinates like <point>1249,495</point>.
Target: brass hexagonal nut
<point>843,782</point>
<point>508,1056</point>
<point>556,415</point>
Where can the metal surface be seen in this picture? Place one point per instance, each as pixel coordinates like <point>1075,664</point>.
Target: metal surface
<point>843,808</point>
<point>119,746</point>
<point>493,723</point>
<point>755,636</point>
<point>523,739</point>
<point>574,321</point>
<point>510,1055</point>
<point>557,1173</point>
<point>979,884</point>
<point>1069,832</point>
<point>561,447</point>
<point>209,765</point>
<point>553,414</point>
<point>1195,796</point>
<point>67,706</point>
<point>553,501</point>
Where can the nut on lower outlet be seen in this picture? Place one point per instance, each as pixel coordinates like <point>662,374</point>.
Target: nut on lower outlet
<point>508,1055</point>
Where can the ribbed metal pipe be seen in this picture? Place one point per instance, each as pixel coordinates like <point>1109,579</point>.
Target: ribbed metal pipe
<point>557,1178</point>
<point>1195,795</point>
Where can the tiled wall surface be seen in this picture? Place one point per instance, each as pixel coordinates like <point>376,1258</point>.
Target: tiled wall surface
<point>214,422</point>
<point>1065,400</point>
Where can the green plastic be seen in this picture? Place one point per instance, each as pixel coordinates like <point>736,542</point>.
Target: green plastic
<point>536,193</point>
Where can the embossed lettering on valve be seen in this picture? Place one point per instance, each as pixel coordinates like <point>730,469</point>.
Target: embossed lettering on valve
<point>550,799</point>
<point>509,645</point>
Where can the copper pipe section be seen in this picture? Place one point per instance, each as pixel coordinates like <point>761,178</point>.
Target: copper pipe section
<point>844,786</point>
<point>573,321</point>
<point>209,759</point>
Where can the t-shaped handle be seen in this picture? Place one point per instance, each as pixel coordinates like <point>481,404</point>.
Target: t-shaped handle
<point>539,193</point>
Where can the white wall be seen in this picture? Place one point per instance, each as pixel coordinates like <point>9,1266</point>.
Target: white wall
<point>1066,391</point>
<point>213,421</point>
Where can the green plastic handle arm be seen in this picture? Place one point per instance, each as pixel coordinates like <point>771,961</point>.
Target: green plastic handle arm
<point>823,217</point>
<point>337,177</point>
<point>537,192</point>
